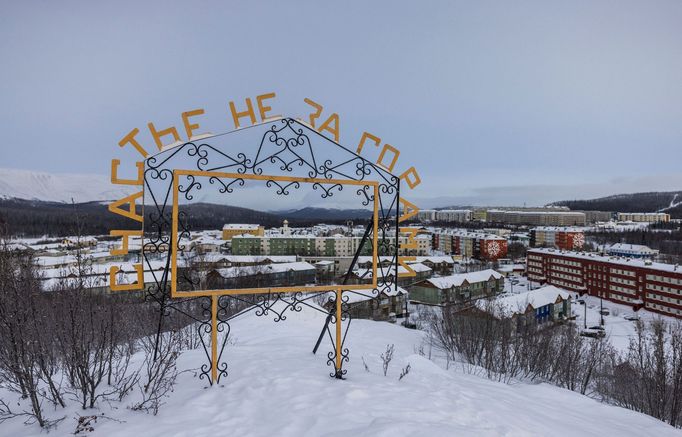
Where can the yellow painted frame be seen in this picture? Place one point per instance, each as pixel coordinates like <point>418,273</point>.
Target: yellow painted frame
<point>309,289</point>
<point>215,294</point>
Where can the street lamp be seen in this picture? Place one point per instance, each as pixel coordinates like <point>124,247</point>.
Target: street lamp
<point>585,317</point>
<point>601,310</point>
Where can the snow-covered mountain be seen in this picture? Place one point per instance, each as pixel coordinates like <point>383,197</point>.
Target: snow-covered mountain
<point>58,187</point>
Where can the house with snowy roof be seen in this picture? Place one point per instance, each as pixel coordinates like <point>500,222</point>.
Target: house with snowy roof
<point>631,250</point>
<point>262,276</point>
<point>390,302</point>
<point>459,288</point>
<point>388,273</point>
<point>441,264</point>
<point>545,304</point>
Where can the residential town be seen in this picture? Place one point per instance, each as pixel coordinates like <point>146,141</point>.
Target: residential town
<point>451,264</point>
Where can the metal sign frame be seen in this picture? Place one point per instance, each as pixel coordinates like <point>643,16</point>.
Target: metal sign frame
<point>297,148</point>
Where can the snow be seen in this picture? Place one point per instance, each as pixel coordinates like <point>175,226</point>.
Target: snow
<point>644,264</point>
<point>62,187</point>
<point>354,296</point>
<point>241,226</point>
<point>446,282</point>
<point>618,329</point>
<point>390,271</point>
<point>277,387</point>
<point>234,272</point>
<point>447,259</point>
<point>518,303</point>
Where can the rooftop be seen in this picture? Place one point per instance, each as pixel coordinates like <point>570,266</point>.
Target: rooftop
<point>457,280</point>
<point>240,226</point>
<point>518,303</point>
<point>644,264</point>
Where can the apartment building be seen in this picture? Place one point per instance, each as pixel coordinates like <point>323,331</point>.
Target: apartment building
<point>337,245</point>
<point>483,246</point>
<point>232,229</point>
<point>645,217</point>
<point>564,238</point>
<point>639,283</point>
<point>538,218</point>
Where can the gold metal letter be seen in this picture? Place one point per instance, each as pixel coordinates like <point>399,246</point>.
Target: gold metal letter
<point>190,128</point>
<point>158,135</point>
<point>409,210</point>
<point>114,174</point>
<point>315,115</point>
<point>411,183</point>
<point>138,285</point>
<point>402,261</point>
<point>411,241</point>
<point>115,207</point>
<point>327,125</point>
<point>396,153</point>
<point>262,109</point>
<point>125,234</point>
<point>366,135</point>
<point>130,138</point>
<point>248,113</point>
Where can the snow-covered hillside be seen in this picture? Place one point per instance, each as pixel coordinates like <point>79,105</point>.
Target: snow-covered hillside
<point>62,187</point>
<point>276,387</point>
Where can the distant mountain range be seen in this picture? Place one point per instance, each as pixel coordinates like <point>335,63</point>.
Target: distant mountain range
<point>35,218</point>
<point>324,213</point>
<point>58,187</point>
<point>38,203</point>
<point>669,201</point>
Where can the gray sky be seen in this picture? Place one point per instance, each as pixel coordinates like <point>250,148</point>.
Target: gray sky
<point>493,102</point>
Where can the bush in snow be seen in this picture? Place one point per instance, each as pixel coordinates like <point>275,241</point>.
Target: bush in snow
<point>387,356</point>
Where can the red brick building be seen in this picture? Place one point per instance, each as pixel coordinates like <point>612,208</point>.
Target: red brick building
<point>639,283</point>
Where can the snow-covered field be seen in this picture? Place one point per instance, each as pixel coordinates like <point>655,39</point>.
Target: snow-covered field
<point>277,387</point>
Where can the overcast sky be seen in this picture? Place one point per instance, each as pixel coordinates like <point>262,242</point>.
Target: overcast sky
<point>493,102</point>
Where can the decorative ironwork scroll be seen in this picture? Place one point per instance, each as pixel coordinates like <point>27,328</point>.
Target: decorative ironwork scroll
<point>285,156</point>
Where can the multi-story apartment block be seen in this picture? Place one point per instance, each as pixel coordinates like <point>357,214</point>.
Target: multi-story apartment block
<point>539,218</point>
<point>598,216</point>
<point>232,229</point>
<point>333,246</point>
<point>638,283</point>
<point>426,215</point>
<point>557,237</point>
<point>487,247</point>
<point>453,215</point>
<point>648,217</point>
<point>444,215</point>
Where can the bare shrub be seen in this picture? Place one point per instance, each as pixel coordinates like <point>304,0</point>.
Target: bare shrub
<point>647,378</point>
<point>20,324</point>
<point>387,356</point>
<point>404,372</point>
<point>160,373</point>
<point>365,364</point>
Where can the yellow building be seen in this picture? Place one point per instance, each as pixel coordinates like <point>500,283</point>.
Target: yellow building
<point>480,215</point>
<point>232,229</point>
